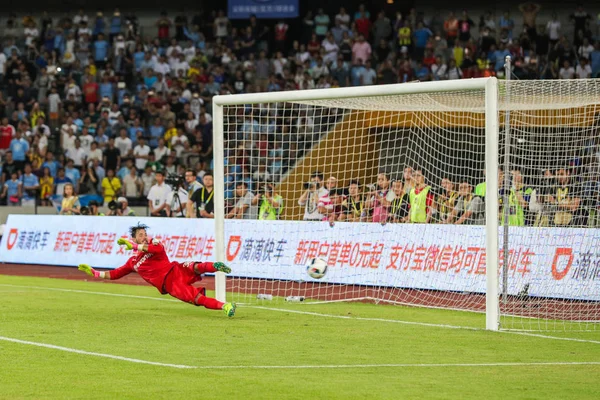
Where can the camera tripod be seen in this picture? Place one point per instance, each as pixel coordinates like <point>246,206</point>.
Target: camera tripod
<point>177,201</point>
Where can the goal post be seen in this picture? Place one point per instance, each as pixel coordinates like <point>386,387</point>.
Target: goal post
<point>487,85</point>
<point>400,189</point>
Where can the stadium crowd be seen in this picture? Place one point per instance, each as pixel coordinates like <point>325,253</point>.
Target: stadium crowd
<point>90,106</point>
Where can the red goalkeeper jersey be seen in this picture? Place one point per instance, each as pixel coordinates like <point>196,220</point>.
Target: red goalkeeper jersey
<point>152,265</point>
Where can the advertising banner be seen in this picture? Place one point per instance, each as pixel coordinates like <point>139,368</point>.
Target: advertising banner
<point>243,9</point>
<point>549,262</point>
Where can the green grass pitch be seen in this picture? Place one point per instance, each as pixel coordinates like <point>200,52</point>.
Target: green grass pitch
<point>323,352</point>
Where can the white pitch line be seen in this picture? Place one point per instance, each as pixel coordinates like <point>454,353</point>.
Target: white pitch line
<point>445,365</point>
<point>90,353</point>
<point>131,296</point>
<point>346,366</point>
<point>396,321</point>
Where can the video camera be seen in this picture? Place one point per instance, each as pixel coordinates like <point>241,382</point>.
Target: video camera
<point>175,181</point>
<point>312,185</point>
<point>116,205</point>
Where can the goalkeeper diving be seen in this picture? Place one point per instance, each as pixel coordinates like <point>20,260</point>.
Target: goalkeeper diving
<point>152,263</point>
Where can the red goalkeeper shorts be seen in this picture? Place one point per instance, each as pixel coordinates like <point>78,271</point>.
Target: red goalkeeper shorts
<point>178,284</point>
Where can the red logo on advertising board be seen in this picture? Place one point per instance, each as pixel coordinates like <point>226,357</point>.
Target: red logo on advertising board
<point>558,254</point>
<point>233,252</point>
<point>11,240</point>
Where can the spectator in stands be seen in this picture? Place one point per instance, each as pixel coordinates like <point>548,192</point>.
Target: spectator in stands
<point>77,154</point>
<point>244,208</point>
<point>313,192</point>
<point>399,206</point>
<point>133,186</point>
<point>13,190</point>
<point>378,199</point>
<point>518,199</point>
<point>88,183</point>
<point>421,200</point>
<point>567,199</point>
<point>541,203</point>
<point>269,203</point>
<point>31,185</point>
<point>203,199</point>
<point>122,208</point>
<point>70,201</point>
<point>111,186</point>
<point>445,201</point>
<point>157,196</point>
<point>19,147</point>
<point>353,206</point>
<point>469,209</point>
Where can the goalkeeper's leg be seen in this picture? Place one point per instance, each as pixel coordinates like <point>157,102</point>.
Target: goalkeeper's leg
<point>203,267</point>
<point>178,285</point>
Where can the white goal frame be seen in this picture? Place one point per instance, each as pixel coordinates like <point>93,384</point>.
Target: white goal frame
<point>490,87</point>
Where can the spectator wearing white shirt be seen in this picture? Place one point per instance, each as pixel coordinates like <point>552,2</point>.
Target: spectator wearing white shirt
<point>73,90</point>
<point>553,28</point>
<point>95,153</point>
<point>180,64</point>
<point>585,49</point>
<point>147,180</point>
<point>567,71</point>
<point>279,63</point>
<point>221,25</point>
<point>157,196</point>
<point>66,129</point>
<point>173,47</point>
<point>31,33</point>
<point>141,153</point>
<point>331,49</point>
<point>86,139</point>
<point>583,70</point>
<point>162,67</point>
<point>80,17</point>
<point>161,150</point>
<point>123,143</point>
<point>311,197</point>
<point>77,154</point>
<point>319,70</point>
<point>2,65</point>
<point>439,69</point>
<point>343,18</point>
<point>133,185</point>
<point>178,142</point>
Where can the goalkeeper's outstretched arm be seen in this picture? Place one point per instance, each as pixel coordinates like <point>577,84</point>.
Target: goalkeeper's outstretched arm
<point>112,275</point>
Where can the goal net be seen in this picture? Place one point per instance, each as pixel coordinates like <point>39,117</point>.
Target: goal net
<point>388,185</point>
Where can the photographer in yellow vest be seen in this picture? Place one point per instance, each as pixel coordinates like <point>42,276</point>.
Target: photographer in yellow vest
<point>270,203</point>
<point>421,200</point>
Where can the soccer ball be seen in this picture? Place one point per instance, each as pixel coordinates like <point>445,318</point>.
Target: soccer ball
<point>317,268</point>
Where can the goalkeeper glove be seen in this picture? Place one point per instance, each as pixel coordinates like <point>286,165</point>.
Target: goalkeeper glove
<point>219,266</point>
<point>89,270</point>
<point>127,243</point>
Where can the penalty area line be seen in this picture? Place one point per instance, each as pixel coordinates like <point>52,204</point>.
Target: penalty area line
<point>91,353</point>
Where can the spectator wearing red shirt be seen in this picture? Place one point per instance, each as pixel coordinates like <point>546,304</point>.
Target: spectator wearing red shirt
<point>281,30</point>
<point>363,25</point>
<point>163,24</point>
<point>7,132</point>
<point>90,91</point>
